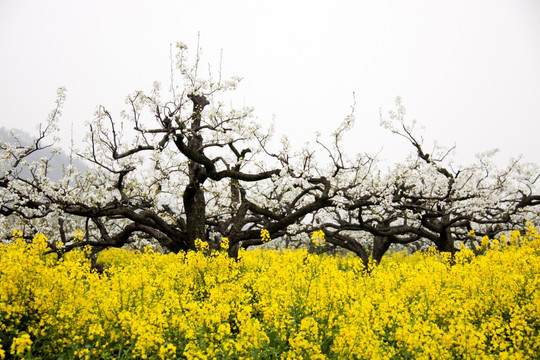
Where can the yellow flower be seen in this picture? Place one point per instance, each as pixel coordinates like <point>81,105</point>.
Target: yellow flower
<point>16,234</point>
<point>40,242</point>
<point>514,236</point>
<point>21,344</point>
<point>78,236</point>
<point>225,243</point>
<point>164,306</point>
<point>167,352</point>
<point>318,238</point>
<point>265,236</point>
<point>60,245</point>
<point>201,245</point>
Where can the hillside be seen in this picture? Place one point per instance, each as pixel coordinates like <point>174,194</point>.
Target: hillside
<point>57,161</point>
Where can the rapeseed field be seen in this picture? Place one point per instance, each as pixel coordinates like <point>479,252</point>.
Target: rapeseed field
<point>481,304</point>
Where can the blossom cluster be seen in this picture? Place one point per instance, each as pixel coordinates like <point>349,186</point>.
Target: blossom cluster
<point>265,236</point>
<point>271,304</point>
<point>318,238</point>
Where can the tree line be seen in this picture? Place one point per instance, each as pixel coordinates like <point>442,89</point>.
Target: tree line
<point>183,166</point>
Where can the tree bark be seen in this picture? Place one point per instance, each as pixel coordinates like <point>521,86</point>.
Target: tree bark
<point>381,244</point>
<point>194,201</point>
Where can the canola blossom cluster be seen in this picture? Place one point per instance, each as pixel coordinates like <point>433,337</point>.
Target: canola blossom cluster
<point>271,304</point>
<point>318,238</point>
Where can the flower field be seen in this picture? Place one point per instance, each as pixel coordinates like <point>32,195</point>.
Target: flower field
<point>272,304</point>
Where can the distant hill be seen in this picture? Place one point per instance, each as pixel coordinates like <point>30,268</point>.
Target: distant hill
<point>57,161</point>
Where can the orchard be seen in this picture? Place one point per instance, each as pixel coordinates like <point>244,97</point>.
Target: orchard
<point>215,240</point>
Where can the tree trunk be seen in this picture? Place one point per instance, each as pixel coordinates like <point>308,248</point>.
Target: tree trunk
<point>445,243</point>
<point>194,201</point>
<point>381,244</point>
<point>234,248</point>
<point>195,207</point>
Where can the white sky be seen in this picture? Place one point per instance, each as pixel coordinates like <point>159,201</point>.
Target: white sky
<point>469,71</point>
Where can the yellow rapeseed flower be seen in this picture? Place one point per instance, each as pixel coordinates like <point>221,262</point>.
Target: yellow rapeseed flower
<point>289,304</point>
<point>201,245</point>
<point>225,243</point>
<point>21,344</point>
<point>265,236</point>
<point>16,234</point>
<point>78,236</point>
<point>318,238</point>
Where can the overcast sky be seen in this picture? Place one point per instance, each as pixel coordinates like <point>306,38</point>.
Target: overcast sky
<point>469,71</point>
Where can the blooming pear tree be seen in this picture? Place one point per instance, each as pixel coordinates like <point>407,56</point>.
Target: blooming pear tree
<point>429,199</point>
<point>178,170</point>
<point>20,202</point>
